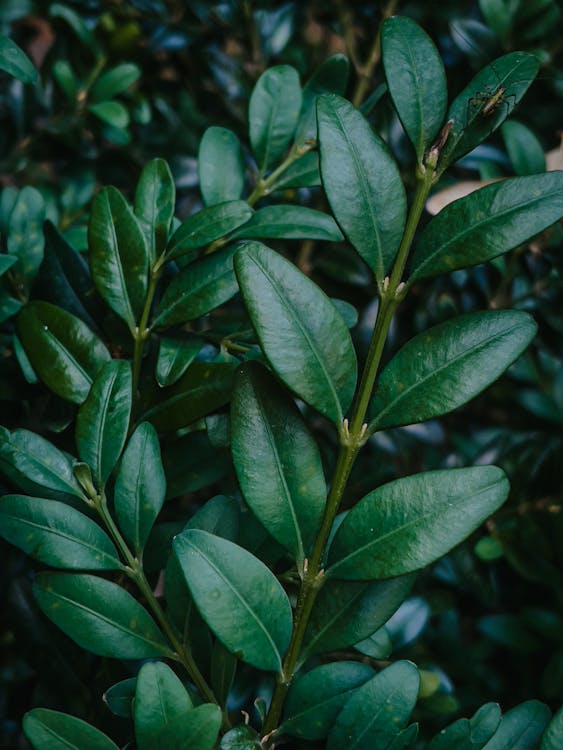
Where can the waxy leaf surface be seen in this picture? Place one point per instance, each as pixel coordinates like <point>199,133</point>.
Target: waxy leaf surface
<point>521,728</point>
<point>53,730</point>
<point>220,166</point>
<point>208,225</point>
<point>290,222</point>
<point>154,205</point>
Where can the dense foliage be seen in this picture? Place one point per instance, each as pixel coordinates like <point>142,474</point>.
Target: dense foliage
<point>263,492</point>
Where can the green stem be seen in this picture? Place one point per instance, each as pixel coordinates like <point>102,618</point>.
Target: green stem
<point>142,332</point>
<point>352,439</point>
<point>263,186</point>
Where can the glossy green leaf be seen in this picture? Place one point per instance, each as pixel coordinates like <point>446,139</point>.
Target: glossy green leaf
<point>377,710</point>
<point>208,225</point>
<point>290,222</point>
<point>362,183</point>
<point>521,728</point>
<point>304,172</point>
<point>242,737</point>
<point>300,331</point>
<point>36,466</point>
<point>15,62</point>
<point>114,81</point>
<point>67,79</point>
<point>201,287</point>
<point>175,355</point>
<point>407,524</point>
<point>346,612</point>
<point>469,734</point>
<point>238,596</point>
<point>6,262</point>
<point>99,615</point>
<point>140,486</point>
<point>219,516</point>
<point>23,361</point>
<point>553,736</point>
<point>275,104</point>
<point>119,257</point>
<point>53,730</point>
<point>487,223</point>
<point>119,697</point>
<point>154,205</point>
<point>56,534</point>
<point>197,728</point>
<point>277,461</point>
<point>524,149</point>
<point>25,235</point>
<point>448,365</point>
<point>113,113</point>
<point>486,102</point>
<point>378,645</point>
<point>205,387</point>
<point>63,351</point>
<point>160,699</point>
<point>221,166</point>
<point>406,739</point>
<point>314,699</point>
<point>416,80</point>
<point>330,78</point>
<point>103,419</point>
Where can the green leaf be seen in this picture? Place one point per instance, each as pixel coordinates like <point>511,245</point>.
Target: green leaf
<point>347,612</point>
<point>277,461</point>
<point>205,387</point>
<point>175,355</point>
<point>25,235</point>
<point>380,646</point>
<point>160,699</point>
<point>140,486</point>
<point>290,222</point>
<point>362,183</point>
<point>330,78</point>
<point>553,736</point>
<point>273,113</point>
<point>192,463</point>
<point>487,223</point>
<point>24,363</point>
<point>242,737</point>
<point>75,22</point>
<point>377,710</point>
<point>36,466</point>
<point>469,734</point>
<point>154,205</point>
<point>119,697</point>
<point>15,62</point>
<point>208,225</point>
<point>406,738</point>
<point>304,172</point>
<point>223,670</point>
<point>103,419</point>
<point>448,365</point>
<point>416,80</point>
<point>521,727</point>
<point>221,166</point>
<point>63,351</point>
<point>314,699</point>
<point>238,596</point>
<point>407,524</point>
<point>114,81</point>
<point>52,730</point>
<point>67,79</point>
<point>201,287</point>
<point>486,102</point>
<point>524,149</point>
<point>56,534</point>
<point>6,262</point>
<point>119,257</point>
<point>197,728</point>
<point>99,615</point>
<point>300,331</point>
<point>112,113</point>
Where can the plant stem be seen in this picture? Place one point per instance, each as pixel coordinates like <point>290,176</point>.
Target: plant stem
<point>142,332</point>
<point>263,186</point>
<point>352,440</point>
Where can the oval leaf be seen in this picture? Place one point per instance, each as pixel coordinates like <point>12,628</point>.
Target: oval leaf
<point>56,534</point>
<point>487,223</point>
<point>377,710</point>
<point>220,166</point>
<point>314,699</point>
<point>362,183</point>
<point>409,523</point>
<point>277,461</point>
<point>524,149</point>
<point>273,113</point>
<point>119,697</point>
<point>52,730</point>
<point>15,62</point>
<point>114,81</point>
<point>175,355</point>
<point>140,486</point>
<point>553,736</point>
<point>292,223</point>
<point>521,727</point>
<point>103,419</point>
<point>154,204</point>
<point>469,734</point>
<point>208,225</point>
<point>448,365</point>
<point>63,351</point>
<point>119,257</point>
<point>99,615</point>
<point>160,699</point>
<point>238,596</point>
<point>300,331</point>
<point>416,80</point>
<point>330,78</point>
